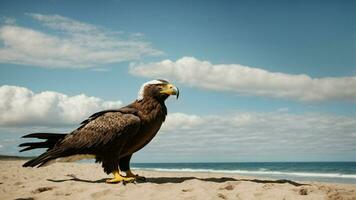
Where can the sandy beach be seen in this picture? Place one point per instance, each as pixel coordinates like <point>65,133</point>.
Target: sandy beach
<point>87,181</point>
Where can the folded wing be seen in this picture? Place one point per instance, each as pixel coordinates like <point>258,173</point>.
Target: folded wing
<point>106,131</point>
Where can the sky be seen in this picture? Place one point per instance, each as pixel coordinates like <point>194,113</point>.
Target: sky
<point>259,81</point>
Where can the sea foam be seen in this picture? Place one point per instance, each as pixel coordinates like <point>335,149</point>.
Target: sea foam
<point>257,172</point>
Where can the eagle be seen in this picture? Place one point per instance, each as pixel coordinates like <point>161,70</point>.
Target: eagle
<point>109,136</point>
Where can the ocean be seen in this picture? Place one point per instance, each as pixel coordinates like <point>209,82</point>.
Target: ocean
<point>336,172</point>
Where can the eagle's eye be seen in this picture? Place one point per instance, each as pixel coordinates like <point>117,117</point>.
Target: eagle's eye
<point>161,87</point>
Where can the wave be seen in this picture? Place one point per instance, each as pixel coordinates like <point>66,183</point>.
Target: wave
<point>260,172</point>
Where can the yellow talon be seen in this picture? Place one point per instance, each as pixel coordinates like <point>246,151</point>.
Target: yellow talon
<point>130,174</point>
<point>118,178</point>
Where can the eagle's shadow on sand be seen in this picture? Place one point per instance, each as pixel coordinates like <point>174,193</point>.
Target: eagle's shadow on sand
<point>74,178</point>
<point>163,180</point>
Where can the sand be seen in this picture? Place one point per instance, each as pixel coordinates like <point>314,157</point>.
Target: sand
<point>87,181</point>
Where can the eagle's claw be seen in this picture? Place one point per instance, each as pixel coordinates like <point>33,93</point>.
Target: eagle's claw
<point>136,176</point>
<point>118,178</point>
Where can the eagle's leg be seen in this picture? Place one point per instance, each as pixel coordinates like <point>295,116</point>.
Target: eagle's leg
<point>125,166</point>
<point>118,178</point>
<point>112,166</point>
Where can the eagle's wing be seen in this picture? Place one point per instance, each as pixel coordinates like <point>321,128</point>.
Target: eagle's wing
<point>100,132</point>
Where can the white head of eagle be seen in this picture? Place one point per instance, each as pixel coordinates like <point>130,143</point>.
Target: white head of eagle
<point>141,92</point>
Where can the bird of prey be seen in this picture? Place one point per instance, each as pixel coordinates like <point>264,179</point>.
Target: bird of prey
<point>109,136</point>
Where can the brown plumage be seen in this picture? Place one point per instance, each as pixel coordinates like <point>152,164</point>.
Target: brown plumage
<point>111,136</point>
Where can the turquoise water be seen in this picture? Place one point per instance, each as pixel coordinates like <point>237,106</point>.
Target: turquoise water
<point>337,172</point>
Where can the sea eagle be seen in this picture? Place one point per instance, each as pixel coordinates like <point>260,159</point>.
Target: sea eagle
<point>109,136</point>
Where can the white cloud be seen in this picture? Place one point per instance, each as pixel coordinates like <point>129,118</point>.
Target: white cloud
<point>250,81</point>
<point>68,43</point>
<point>20,106</point>
<point>182,121</point>
<point>248,136</point>
<point>61,23</point>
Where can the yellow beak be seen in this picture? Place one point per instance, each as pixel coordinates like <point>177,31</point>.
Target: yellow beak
<point>170,89</point>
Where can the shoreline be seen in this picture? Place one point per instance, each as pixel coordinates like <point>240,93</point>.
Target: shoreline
<point>87,181</point>
<point>304,176</point>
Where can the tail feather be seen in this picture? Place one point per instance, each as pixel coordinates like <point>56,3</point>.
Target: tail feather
<point>51,140</point>
<point>44,135</point>
<point>35,145</point>
<point>50,154</point>
<point>42,159</point>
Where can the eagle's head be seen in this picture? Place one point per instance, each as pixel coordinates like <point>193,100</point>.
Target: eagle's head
<point>159,89</point>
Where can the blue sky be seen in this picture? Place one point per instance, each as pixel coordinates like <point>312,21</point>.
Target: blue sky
<point>259,80</point>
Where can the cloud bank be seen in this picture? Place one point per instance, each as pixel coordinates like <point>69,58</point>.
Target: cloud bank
<point>249,80</point>
<point>239,136</point>
<point>67,43</point>
<point>20,106</point>
<point>249,136</point>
